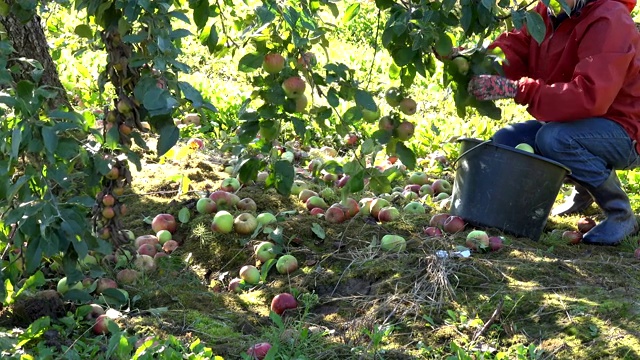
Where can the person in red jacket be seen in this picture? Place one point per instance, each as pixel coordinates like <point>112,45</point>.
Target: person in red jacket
<point>582,86</point>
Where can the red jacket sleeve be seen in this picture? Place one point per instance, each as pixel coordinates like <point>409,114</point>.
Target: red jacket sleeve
<point>604,57</point>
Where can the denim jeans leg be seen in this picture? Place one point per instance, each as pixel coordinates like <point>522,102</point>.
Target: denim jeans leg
<point>518,133</point>
<point>591,148</point>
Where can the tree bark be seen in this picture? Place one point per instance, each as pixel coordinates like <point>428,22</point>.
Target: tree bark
<point>30,42</point>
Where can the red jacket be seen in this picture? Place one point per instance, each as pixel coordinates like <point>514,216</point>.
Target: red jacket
<point>589,66</point>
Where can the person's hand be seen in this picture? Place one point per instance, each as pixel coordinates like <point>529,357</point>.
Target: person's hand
<point>492,87</point>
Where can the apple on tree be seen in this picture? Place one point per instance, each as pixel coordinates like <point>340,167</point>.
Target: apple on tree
<point>408,106</point>
<point>293,87</point>
<point>405,131</point>
<point>393,96</point>
<point>273,63</point>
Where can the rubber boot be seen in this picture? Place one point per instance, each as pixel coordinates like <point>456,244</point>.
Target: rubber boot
<point>620,221</point>
<point>579,201</point>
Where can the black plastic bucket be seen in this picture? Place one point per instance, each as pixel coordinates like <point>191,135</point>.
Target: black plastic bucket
<point>498,186</point>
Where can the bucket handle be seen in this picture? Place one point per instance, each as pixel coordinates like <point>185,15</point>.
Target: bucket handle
<point>453,165</point>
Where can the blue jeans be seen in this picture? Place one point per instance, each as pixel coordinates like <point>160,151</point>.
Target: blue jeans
<point>591,148</point>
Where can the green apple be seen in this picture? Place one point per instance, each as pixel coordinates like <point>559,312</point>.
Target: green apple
<point>245,224</point>
<point>266,219</point>
<point>222,222</point>
<point>264,251</point>
<point>206,206</point>
<point>393,96</point>
<point>525,147</point>
<point>164,236</point>
<point>298,186</point>
<point>391,242</point>
<point>63,286</point>
<point>287,264</point>
<point>250,274</point>
<point>414,207</point>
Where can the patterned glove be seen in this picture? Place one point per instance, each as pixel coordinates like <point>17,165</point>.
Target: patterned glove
<point>492,87</point>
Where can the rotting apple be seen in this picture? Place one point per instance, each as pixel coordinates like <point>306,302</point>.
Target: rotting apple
<point>164,222</point>
<point>250,274</point>
<point>196,144</point>
<point>104,284</point>
<point>391,242</point>
<point>247,204</point>
<point>454,224</point>
<point>287,264</point>
<point>245,224</point>
<point>146,239</point>
<point>283,302</point>
<point>144,263</point>
<point>127,276</point>
<point>477,240</point>
<point>170,246</point>
<point>264,251</point>
<point>316,211</point>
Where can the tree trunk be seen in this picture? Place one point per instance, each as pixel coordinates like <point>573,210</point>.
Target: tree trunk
<point>29,42</point>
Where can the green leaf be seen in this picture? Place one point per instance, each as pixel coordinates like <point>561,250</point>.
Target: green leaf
<point>265,268</point>
<point>191,93</point>
<point>365,100</point>
<point>25,88</point>
<point>249,170</point>
<point>318,230</point>
<point>367,147</point>
<point>380,184</point>
<point>535,26</point>
<point>120,296</point>
<point>83,30</point>
<point>277,319</point>
<point>50,139</point>
<point>488,4</point>
<point>201,13</point>
<point>169,135</point>
<point>403,56</point>
<point>32,282</point>
<point>250,62</point>
<point>351,12</point>
<point>444,45</point>
<point>16,139</point>
<point>212,39</point>
<point>406,155</point>
<point>355,183</point>
<point>285,174</point>
<point>154,99</point>
<point>184,215</point>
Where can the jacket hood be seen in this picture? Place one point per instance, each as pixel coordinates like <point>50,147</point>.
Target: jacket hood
<point>630,4</point>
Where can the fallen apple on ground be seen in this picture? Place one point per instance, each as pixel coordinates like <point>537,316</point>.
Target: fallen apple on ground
<point>495,243</point>
<point>453,224</point>
<point>222,222</point>
<point>335,214</point>
<point>236,285</point>
<point>230,184</point>
<point>206,206</point>
<point>259,351</point>
<point>287,264</point>
<point>247,204</point>
<point>432,231</point>
<point>250,274</point>
<point>245,224</point>
<point>306,194</point>
<point>477,240</point>
<point>441,186</point>
<point>283,302</point>
<point>101,326</point>
<point>388,213</point>
<point>127,276</point>
<point>438,220</point>
<point>572,237</point>
<point>170,246</point>
<point>392,242</point>
<point>585,224</point>
<point>415,208</point>
<point>164,236</point>
<point>264,251</point>
<point>266,219</point>
<point>144,263</point>
<point>164,222</point>
<point>104,284</point>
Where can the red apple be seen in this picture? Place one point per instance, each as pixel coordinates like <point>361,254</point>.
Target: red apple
<point>283,302</point>
<point>259,351</point>
<point>413,187</point>
<point>453,224</point>
<point>230,184</point>
<point>636,254</point>
<point>96,311</point>
<point>441,186</point>
<point>294,87</point>
<point>432,231</point>
<point>146,239</point>
<point>585,224</point>
<point>495,243</point>
<point>351,206</point>
<point>236,285</point>
<point>224,200</point>
<point>194,143</point>
<point>108,200</point>
<point>335,214</point>
<point>100,327</point>
<point>386,124</point>
<point>164,222</point>
<point>147,249</point>
<point>104,284</point>
<point>108,212</point>
<point>273,63</point>
<point>388,213</point>
<point>572,237</point>
<point>376,205</point>
<point>351,140</point>
<point>438,220</point>
<point>343,181</point>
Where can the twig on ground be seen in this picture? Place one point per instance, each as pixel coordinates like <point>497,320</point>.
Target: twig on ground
<point>492,319</point>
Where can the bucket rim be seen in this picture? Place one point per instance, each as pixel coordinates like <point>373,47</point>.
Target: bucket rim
<point>505,147</point>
